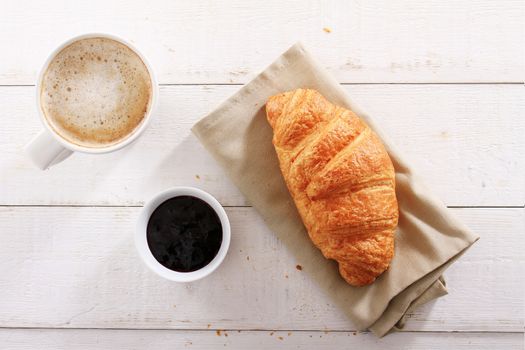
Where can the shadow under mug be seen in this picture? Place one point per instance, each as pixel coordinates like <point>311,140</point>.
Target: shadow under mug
<point>48,147</point>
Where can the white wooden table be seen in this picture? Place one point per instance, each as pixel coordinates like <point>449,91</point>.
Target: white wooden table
<point>443,78</point>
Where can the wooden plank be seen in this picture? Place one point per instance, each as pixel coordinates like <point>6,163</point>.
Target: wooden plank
<point>207,42</point>
<point>77,267</point>
<point>464,140</point>
<point>55,339</point>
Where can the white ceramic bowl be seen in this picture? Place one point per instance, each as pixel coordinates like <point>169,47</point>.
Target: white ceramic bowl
<point>141,241</point>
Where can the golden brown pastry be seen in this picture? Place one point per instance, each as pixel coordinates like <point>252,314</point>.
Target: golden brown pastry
<point>341,179</point>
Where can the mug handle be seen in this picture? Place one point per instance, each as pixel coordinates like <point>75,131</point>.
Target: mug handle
<point>45,151</point>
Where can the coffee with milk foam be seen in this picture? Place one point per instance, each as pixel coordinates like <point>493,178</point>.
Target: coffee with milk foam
<point>95,92</point>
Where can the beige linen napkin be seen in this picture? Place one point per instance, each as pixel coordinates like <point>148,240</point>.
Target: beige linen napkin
<point>428,238</point>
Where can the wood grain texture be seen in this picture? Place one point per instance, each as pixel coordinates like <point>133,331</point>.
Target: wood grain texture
<point>69,267</point>
<point>210,42</point>
<point>465,141</point>
<point>54,339</point>
<point>77,267</point>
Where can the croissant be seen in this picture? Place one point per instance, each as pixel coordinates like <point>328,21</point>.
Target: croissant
<point>341,179</point>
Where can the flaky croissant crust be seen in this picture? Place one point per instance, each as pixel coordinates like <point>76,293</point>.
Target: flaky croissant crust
<point>341,179</point>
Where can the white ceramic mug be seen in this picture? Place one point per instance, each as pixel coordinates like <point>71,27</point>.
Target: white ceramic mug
<point>48,147</point>
<point>141,241</point>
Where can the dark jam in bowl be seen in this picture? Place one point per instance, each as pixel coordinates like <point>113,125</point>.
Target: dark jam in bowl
<point>184,233</point>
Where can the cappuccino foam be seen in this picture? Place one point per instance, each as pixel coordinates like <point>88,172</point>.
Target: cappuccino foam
<point>95,92</point>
